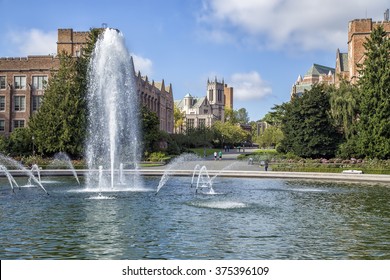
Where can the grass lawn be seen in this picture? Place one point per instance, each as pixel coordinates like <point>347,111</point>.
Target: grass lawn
<point>200,151</point>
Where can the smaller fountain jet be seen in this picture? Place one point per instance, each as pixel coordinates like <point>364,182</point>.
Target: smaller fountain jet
<point>204,183</point>
<point>10,178</point>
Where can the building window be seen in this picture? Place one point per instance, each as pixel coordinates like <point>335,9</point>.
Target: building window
<point>18,123</point>
<point>190,123</point>
<point>19,103</point>
<point>39,82</point>
<point>202,123</point>
<point>2,103</point>
<point>205,111</point>
<point>20,82</point>
<point>211,97</point>
<point>219,95</point>
<point>2,125</point>
<point>2,82</point>
<point>36,102</point>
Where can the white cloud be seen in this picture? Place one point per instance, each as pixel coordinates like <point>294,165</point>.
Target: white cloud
<point>142,64</point>
<point>249,86</point>
<point>33,42</point>
<point>276,24</point>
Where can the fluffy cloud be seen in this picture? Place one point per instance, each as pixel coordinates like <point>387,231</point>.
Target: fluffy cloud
<point>249,86</point>
<point>304,24</point>
<point>33,42</point>
<point>145,65</point>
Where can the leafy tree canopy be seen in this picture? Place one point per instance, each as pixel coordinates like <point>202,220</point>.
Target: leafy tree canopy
<point>307,127</point>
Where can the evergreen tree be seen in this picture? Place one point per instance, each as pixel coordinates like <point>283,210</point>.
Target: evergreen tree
<point>373,128</point>
<point>150,129</point>
<point>60,123</point>
<point>307,127</point>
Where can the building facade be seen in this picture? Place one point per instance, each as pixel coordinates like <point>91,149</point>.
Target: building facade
<point>228,95</point>
<point>316,74</point>
<point>358,32</point>
<point>22,86</point>
<point>204,111</point>
<point>23,81</point>
<point>158,98</point>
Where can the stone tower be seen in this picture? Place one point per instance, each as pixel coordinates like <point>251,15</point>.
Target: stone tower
<point>215,95</point>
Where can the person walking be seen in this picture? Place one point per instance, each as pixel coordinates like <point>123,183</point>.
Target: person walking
<point>215,155</point>
<point>266,165</point>
<point>220,155</point>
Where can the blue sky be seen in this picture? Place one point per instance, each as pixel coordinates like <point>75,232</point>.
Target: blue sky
<point>257,46</point>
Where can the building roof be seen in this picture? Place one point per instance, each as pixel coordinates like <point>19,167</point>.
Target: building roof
<point>196,102</point>
<point>317,70</point>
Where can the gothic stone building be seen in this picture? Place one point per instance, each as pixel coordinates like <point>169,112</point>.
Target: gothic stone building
<point>204,111</point>
<point>316,74</point>
<point>23,79</point>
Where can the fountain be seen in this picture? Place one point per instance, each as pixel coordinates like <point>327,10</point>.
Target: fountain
<point>204,183</point>
<point>35,168</point>
<point>171,168</point>
<point>10,178</point>
<point>196,170</point>
<point>13,163</point>
<point>61,159</point>
<point>113,122</point>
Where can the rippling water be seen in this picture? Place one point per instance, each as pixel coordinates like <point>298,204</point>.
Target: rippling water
<point>245,219</point>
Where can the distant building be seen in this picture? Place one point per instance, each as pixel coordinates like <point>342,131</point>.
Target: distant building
<point>316,74</point>
<point>216,97</point>
<point>23,80</point>
<point>261,127</point>
<point>204,111</point>
<point>358,32</point>
<point>198,112</point>
<point>158,98</point>
<point>228,95</point>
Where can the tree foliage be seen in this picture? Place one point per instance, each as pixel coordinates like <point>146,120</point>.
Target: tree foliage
<point>229,133</point>
<point>60,123</point>
<point>345,107</point>
<point>242,116</point>
<point>308,129</point>
<point>271,137</point>
<point>372,136</point>
<point>179,118</point>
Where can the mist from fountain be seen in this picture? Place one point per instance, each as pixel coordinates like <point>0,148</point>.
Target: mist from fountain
<point>113,120</point>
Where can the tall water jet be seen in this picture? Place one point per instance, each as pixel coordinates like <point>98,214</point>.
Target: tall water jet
<point>113,122</point>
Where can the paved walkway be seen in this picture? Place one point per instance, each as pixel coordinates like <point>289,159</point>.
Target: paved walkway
<point>228,162</point>
<point>229,166</point>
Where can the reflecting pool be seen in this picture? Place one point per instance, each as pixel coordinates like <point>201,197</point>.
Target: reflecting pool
<point>242,219</point>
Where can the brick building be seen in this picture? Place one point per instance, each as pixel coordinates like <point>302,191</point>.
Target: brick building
<point>23,80</point>
<point>22,85</point>
<point>358,31</point>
